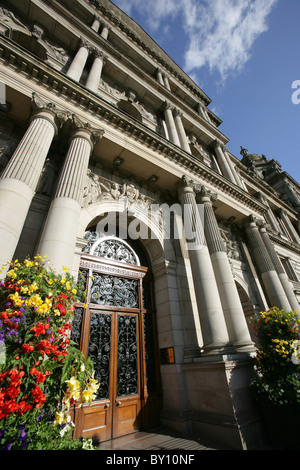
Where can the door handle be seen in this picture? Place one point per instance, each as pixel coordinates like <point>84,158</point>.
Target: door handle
<point>107,405</point>
<point>118,403</point>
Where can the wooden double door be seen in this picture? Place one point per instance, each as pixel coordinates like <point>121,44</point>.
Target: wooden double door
<point>121,341</point>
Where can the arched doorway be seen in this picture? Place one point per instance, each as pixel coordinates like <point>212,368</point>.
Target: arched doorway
<point>115,326</point>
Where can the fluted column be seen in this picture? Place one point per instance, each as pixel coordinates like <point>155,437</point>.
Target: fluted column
<point>269,276</point>
<point>180,130</point>
<point>290,228</point>
<point>168,111</point>
<point>20,177</point>
<point>213,326</point>
<point>58,239</point>
<point>236,322</point>
<point>222,161</point>
<point>78,63</point>
<point>232,168</point>
<point>94,76</point>
<point>286,284</point>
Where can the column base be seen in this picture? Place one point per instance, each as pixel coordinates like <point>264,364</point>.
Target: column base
<point>221,405</point>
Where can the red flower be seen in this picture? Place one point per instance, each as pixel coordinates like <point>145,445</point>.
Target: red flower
<point>27,348</point>
<point>38,395</point>
<point>40,328</point>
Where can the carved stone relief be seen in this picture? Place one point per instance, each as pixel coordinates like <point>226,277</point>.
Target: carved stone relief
<point>9,22</point>
<point>99,189</point>
<point>231,244</point>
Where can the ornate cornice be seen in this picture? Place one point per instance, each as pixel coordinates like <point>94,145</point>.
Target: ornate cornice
<point>30,67</point>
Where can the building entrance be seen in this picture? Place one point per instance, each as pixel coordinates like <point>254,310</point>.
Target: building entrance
<point>114,325</point>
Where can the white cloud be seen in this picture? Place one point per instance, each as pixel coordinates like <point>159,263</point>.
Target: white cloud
<point>219,33</point>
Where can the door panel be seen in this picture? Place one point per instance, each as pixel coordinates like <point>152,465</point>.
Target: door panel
<point>114,326</point>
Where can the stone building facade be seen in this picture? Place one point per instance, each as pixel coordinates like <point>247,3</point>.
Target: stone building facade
<point>113,165</point>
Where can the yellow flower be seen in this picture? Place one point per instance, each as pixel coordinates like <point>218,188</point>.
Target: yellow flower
<point>50,281</point>
<point>87,396</point>
<point>74,291</point>
<point>12,274</point>
<point>16,299</point>
<point>59,418</point>
<point>28,263</point>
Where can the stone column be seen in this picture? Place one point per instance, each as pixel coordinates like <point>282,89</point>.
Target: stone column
<point>290,228</point>
<point>76,68</point>
<point>96,24</point>
<point>168,111</point>
<point>105,31</point>
<point>237,327</point>
<point>166,82</point>
<point>213,326</point>
<point>286,284</point>
<point>269,276</point>
<point>94,76</point>
<point>222,161</point>
<point>232,168</point>
<point>20,177</point>
<point>160,77</point>
<point>181,132</point>
<point>58,239</point>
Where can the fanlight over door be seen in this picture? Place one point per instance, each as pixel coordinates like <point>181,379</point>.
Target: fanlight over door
<point>114,325</point>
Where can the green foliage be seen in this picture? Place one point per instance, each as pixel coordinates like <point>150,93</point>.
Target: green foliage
<point>277,359</point>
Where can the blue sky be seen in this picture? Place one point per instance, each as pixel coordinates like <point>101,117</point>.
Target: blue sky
<point>245,55</point>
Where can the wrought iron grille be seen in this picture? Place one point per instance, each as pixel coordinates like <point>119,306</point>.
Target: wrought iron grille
<point>114,291</point>
<point>127,368</point>
<point>99,350</point>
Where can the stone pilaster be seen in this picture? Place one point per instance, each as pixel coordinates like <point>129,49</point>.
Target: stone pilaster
<point>269,276</point>
<point>78,63</point>
<point>286,284</point>
<point>58,239</point>
<point>213,326</point>
<point>237,327</point>
<point>94,76</point>
<point>20,178</point>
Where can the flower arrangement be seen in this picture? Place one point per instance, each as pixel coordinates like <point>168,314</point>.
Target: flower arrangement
<point>278,357</point>
<point>41,374</point>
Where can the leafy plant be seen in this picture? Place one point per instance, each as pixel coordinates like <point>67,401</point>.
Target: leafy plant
<point>41,375</point>
<point>278,358</point>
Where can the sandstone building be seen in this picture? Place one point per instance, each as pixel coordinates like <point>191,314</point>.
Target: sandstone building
<point>113,165</point>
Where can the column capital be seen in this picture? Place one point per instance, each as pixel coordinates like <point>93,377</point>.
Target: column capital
<point>98,53</point>
<point>85,130</point>
<point>48,111</point>
<point>205,195</point>
<point>85,43</point>
<point>177,112</point>
<point>218,144</point>
<point>167,105</point>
